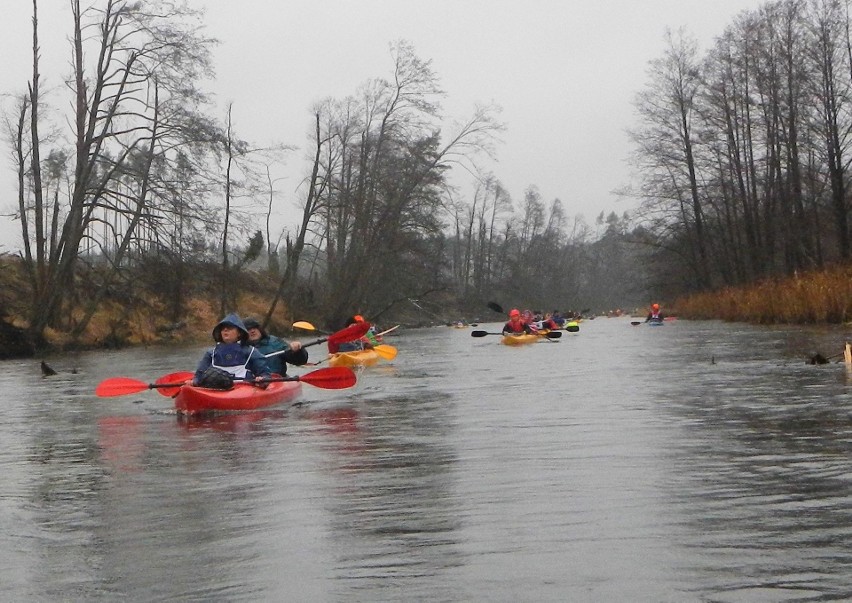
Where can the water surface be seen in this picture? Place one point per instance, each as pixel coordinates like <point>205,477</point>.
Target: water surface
<point>699,461</point>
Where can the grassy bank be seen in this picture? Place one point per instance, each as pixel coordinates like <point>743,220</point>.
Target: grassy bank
<point>815,297</point>
<point>117,326</point>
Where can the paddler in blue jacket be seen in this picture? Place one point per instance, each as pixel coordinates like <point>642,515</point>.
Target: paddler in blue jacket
<point>233,354</point>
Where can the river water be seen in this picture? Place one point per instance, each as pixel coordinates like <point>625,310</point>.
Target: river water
<point>698,461</point>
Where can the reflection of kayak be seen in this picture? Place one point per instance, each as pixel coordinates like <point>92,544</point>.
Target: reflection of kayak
<point>242,396</point>
<point>655,322</point>
<point>520,339</point>
<point>356,358</point>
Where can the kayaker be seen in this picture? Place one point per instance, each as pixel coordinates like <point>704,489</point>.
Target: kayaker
<point>528,318</point>
<point>655,315</point>
<point>284,352</point>
<point>363,343</point>
<point>547,323</point>
<point>515,324</point>
<point>231,354</point>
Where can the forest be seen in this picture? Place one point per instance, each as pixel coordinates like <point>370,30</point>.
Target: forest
<point>140,196</point>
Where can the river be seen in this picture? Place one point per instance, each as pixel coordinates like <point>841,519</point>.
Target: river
<point>698,461</point>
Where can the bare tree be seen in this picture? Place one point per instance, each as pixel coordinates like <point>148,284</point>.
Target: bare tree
<point>666,141</point>
<point>383,173</point>
<point>134,105</point>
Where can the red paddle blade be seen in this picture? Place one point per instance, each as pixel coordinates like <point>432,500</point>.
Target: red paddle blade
<point>334,377</point>
<point>350,333</point>
<point>119,386</point>
<point>178,379</point>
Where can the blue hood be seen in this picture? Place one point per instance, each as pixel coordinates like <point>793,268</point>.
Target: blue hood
<point>232,319</point>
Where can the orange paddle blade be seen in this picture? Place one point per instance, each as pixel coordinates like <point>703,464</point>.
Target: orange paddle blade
<point>350,333</point>
<point>119,386</point>
<point>334,377</point>
<point>169,385</point>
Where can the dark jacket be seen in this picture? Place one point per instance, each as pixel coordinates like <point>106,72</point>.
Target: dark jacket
<point>269,344</point>
<point>522,327</point>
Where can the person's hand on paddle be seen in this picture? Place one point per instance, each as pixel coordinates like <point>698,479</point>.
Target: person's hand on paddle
<point>295,345</point>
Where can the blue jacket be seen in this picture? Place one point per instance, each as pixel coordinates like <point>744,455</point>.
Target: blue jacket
<point>230,355</point>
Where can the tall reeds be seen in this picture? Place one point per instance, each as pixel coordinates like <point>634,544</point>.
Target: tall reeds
<point>816,297</point>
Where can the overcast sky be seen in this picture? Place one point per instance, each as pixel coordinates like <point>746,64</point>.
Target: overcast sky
<point>564,71</point>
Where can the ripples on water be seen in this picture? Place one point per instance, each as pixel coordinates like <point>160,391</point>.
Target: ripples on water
<point>694,462</point>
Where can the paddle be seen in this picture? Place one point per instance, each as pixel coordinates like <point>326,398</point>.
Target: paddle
<point>337,377</point>
<point>166,383</point>
<point>350,333</point>
<point>333,377</point>
<point>387,352</point>
<point>635,323</point>
<point>306,326</point>
<point>119,386</point>
<point>496,307</point>
<point>549,335</point>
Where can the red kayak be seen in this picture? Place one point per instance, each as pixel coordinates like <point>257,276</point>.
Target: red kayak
<point>242,396</point>
<point>190,399</point>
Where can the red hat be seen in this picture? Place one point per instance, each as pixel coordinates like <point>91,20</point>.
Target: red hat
<point>514,312</point>
<point>358,318</point>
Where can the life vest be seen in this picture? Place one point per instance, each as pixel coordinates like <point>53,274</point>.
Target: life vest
<point>232,357</point>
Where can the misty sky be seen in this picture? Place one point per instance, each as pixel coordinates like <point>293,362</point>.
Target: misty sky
<point>565,73</point>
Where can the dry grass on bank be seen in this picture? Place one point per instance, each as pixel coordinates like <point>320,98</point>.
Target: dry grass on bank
<point>817,297</point>
<point>115,325</point>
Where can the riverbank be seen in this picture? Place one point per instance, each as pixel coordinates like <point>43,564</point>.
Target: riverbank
<point>117,326</point>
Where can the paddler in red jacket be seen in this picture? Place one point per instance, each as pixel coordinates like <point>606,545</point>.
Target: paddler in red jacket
<point>516,326</point>
<point>363,343</point>
<point>655,315</point>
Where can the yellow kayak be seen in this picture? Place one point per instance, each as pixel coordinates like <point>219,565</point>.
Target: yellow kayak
<point>356,358</point>
<point>520,339</point>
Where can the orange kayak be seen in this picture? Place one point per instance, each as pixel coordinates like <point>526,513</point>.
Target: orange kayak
<point>242,396</point>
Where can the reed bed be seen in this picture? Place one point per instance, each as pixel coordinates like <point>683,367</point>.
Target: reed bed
<point>815,297</point>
